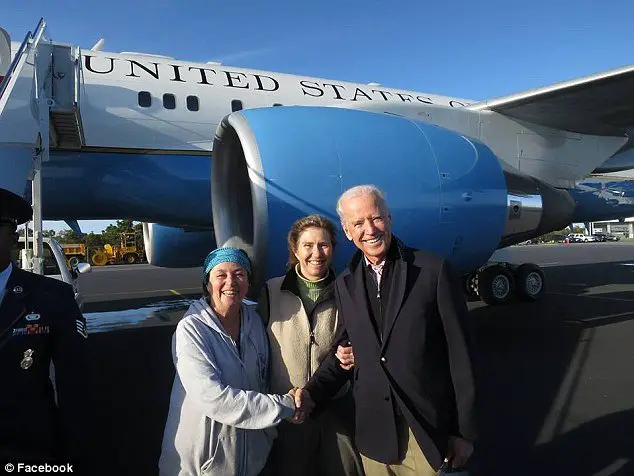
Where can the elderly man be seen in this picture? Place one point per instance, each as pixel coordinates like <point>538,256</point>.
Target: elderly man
<point>39,323</point>
<point>405,316</point>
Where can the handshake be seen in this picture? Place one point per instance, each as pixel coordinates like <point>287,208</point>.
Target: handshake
<point>303,405</point>
<point>303,402</point>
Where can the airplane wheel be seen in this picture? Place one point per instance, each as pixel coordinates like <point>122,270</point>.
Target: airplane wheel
<point>130,258</point>
<point>529,280</point>
<point>496,285</point>
<point>470,284</point>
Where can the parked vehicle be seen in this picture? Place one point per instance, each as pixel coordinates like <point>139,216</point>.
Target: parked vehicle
<point>607,237</point>
<point>581,238</point>
<point>127,251</point>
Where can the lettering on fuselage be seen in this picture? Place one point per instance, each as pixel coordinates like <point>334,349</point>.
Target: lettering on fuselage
<point>215,76</point>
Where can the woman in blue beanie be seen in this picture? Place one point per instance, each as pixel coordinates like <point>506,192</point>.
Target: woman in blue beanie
<point>221,419</point>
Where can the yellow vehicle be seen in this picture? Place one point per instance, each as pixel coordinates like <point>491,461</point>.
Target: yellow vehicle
<point>124,252</point>
<point>75,253</point>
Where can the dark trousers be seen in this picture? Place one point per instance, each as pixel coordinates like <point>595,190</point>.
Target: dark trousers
<point>321,446</point>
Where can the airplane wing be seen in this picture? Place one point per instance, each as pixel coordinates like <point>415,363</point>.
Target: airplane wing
<point>600,104</point>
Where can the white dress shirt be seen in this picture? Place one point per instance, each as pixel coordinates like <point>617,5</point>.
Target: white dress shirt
<point>4,278</point>
<point>378,270</point>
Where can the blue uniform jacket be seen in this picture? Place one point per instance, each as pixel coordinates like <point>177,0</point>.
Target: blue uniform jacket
<point>41,323</point>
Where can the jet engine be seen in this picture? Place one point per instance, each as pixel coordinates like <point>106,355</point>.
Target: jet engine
<point>171,247</point>
<point>447,193</point>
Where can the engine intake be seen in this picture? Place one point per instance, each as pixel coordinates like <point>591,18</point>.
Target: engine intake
<point>446,193</point>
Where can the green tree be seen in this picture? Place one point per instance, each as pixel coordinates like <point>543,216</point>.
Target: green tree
<point>112,233</point>
<point>91,240</point>
<point>68,236</point>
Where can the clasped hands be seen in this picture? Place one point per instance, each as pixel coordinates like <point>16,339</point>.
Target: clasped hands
<point>303,405</point>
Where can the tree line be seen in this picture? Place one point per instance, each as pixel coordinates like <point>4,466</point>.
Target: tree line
<point>110,235</point>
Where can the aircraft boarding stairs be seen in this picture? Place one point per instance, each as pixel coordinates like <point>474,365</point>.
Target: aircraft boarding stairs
<point>54,71</point>
<point>39,109</point>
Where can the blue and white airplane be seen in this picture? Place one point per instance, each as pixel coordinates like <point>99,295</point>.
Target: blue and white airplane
<point>132,136</point>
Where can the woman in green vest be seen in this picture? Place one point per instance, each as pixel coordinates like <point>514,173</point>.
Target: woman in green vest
<point>302,324</point>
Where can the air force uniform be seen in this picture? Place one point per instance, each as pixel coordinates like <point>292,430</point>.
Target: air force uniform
<point>40,323</point>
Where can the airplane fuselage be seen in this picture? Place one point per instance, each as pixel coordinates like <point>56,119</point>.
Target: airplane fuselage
<point>137,103</point>
<point>182,103</point>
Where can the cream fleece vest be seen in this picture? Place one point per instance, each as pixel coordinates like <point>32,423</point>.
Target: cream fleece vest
<point>295,356</point>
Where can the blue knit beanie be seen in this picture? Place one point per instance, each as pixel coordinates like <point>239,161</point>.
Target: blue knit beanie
<point>225,255</point>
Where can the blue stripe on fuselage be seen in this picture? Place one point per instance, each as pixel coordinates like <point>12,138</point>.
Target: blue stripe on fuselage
<point>168,189</point>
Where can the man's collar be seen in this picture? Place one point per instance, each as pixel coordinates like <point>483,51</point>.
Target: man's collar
<point>7,271</point>
<point>394,253</point>
<point>378,265</point>
<point>9,266</point>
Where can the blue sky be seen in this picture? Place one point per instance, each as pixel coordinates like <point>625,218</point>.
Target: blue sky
<point>473,50</point>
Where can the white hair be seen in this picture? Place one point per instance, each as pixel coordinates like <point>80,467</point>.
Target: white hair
<point>359,191</point>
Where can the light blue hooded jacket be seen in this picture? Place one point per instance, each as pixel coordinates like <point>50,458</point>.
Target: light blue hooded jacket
<point>221,421</point>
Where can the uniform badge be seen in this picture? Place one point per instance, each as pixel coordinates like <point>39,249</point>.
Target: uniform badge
<point>27,360</point>
<point>18,290</point>
<point>32,317</point>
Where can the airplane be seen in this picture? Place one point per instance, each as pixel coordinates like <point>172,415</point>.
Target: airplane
<point>206,154</point>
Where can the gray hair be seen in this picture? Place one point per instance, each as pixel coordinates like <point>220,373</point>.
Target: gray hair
<point>359,191</point>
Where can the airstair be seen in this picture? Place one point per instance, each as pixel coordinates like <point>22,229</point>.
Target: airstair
<point>39,109</point>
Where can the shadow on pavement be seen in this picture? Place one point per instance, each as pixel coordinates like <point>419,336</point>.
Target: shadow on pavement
<point>533,367</point>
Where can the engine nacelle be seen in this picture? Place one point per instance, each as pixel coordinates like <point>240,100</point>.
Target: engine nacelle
<point>446,193</point>
<point>171,247</point>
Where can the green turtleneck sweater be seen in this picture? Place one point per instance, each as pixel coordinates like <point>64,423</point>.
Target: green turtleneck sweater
<point>310,291</point>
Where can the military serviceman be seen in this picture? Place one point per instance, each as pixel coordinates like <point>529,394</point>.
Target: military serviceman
<point>40,322</point>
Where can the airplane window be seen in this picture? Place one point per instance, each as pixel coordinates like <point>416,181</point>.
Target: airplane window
<point>277,104</point>
<point>192,103</point>
<point>169,101</point>
<point>236,105</point>
<point>145,99</point>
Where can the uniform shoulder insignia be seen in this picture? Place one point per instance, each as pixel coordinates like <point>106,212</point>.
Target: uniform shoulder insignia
<point>81,328</point>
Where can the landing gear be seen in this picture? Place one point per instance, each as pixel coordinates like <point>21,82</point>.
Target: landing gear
<point>529,281</point>
<point>501,283</point>
<point>496,284</point>
<point>471,286</point>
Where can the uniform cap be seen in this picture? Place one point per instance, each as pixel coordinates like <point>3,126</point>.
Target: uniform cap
<point>13,208</point>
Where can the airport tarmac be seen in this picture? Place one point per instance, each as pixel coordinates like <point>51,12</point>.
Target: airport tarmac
<point>556,376</point>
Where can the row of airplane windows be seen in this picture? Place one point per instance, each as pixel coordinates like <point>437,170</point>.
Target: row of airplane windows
<point>193,104</point>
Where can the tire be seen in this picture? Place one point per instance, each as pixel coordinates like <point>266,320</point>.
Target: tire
<point>99,258</point>
<point>130,258</point>
<point>496,285</point>
<point>470,286</point>
<point>73,261</point>
<point>529,282</point>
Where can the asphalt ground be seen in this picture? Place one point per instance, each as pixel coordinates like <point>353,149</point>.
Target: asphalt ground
<point>556,376</point>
